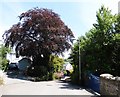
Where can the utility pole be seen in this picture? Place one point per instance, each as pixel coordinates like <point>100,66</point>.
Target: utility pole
<point>79,57</point>
<point>79,61</point>
<point>119,7</point>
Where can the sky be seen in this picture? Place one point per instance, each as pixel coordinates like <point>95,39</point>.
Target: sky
<point>78,15</point>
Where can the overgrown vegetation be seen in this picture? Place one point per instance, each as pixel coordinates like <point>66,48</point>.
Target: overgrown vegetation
<point>40,72</point>
<point>56,63</point>
<point>100,47</point>
<point>3,61</point>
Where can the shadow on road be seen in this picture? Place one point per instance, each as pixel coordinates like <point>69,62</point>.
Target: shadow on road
<point>93,92</point>
<point>61,84</point>
<point>68,85</point>
<point>16,75</point>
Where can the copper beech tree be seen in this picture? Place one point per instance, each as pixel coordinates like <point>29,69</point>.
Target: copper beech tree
<point>38,34</point>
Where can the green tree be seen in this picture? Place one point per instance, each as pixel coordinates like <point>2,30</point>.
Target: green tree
<point>103,37</point>
<point>56,63</point>
<point>100,47</point>
<point>116,47</point>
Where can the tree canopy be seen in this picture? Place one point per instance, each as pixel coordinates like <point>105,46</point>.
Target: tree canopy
<point>100,47</point>
<point>39,33</point>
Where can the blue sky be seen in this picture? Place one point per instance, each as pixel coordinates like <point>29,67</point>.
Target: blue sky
<point>78,15</point>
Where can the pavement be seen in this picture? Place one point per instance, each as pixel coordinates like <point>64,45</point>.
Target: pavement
<point>15,86</point>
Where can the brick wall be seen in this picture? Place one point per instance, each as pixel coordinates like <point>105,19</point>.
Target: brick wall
<point>109,85</point>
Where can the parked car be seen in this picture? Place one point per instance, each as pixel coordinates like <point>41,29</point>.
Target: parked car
<point>13,66</point>
<point>66,79</point>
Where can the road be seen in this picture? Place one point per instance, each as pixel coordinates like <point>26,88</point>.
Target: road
<point>24,87</point>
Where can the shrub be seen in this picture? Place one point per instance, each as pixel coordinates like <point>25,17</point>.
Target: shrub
<point>40,73</point>
<point>2,77</point>
<point>75,76</point>
<point>37,71</point>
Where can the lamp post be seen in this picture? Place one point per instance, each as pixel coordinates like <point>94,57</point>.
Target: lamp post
<point>79,59</point>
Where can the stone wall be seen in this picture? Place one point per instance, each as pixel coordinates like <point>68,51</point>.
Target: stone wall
<point>109,85</point>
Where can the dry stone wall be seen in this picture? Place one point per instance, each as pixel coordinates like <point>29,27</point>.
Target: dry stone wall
<point>109,85</point>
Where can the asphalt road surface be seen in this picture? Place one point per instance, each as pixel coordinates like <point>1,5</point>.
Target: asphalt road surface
<point>24,87</point>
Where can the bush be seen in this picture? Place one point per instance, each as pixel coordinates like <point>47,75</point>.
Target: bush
<point>3,63</point>
<point>40,73</point>
<point>2,78</point>
<point>37,71</point>
<point>75,76</point>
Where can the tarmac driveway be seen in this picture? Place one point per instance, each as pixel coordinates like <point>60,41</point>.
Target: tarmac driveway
<point>23,87</point>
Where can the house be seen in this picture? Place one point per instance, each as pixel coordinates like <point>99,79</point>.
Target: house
<point>22,62</point>
<point>67,66</point>
<point>12,57</point>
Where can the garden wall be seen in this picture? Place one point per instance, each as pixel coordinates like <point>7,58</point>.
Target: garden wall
<point>109,85</point>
